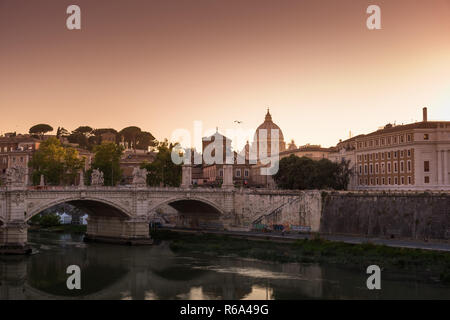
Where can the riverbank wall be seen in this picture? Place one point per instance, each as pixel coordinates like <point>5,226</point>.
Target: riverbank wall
<point>410,215</point>
<point>394,214</point>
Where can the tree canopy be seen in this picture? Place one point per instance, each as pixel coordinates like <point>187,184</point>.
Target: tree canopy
<point>40,129</point>
<point>58,164</point>
<point>62,132</point>
<point>107,160</point>
<point>136,138</point>
<point>305,173</point>
<point>101,131</point>
<point>96,137</point>
<point>162,171</point>
<point>86,130</point>
<point>80,139</point>
<point>87,137</point>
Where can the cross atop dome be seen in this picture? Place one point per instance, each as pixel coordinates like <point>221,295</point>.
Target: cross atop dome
<point>268,116</point>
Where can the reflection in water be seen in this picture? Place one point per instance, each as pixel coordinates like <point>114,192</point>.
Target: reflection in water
<point>121,272</point>
<point>259,293</point>
<point>46,271</point>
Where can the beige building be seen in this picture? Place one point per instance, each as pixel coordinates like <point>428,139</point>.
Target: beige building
<point>259,180</point>
<point>414,156</point>
<point>17,151</point>
<point>88,157</point>
<point>314,152</point>
<point>213,174</point>
<point>133,159</point>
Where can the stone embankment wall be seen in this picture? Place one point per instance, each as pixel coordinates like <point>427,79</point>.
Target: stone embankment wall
<point>410,215</point>
<point>287,208</point>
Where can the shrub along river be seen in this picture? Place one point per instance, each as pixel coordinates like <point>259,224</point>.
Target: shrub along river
<point>183,269</point>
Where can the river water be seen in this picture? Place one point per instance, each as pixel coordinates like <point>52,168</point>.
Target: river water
<point>155,272</point>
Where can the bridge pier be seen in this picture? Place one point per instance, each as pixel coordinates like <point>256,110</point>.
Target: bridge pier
<point>186,176</point>
<point>117,230</point>
<point>13,238</point>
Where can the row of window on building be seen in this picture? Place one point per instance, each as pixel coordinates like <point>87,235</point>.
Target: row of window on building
<point>386,167</point>
<point>386,181</point>
<point>391,140</point>
<point>389,180</point>
<point>385,155</point>
<point>13,159</point>
<point>237,173</point>
<point>10,149</point>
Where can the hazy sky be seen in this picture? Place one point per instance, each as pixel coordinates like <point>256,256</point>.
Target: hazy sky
<point>161,64</point>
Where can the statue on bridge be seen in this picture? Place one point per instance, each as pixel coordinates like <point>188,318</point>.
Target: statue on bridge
<point>139,176</point>
<point>15,175</point>
<point>97,178</point>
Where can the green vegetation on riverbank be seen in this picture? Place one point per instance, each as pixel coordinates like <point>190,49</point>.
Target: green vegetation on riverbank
<point>63,228</point>
<point>314,250</point>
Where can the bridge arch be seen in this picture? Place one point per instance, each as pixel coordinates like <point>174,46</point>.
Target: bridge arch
<point>92,205</point>
<point>192,212</point>
<point>186,202</point>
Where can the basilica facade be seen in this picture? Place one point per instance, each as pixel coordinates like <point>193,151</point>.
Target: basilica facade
<point>267,145</point>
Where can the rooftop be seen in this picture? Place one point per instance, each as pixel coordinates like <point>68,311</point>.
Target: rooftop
<point>18,139</point>
<point>389,128</point>
<point>307,148</point>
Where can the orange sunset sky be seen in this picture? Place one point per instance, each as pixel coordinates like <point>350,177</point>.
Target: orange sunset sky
<point>161,64</point>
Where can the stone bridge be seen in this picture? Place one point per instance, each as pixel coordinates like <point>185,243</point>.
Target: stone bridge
<point>123,213</point>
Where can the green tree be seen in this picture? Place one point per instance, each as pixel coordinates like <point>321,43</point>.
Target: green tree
<point>35,220</point>
<point>49,220</point>
<point>81,136</point>
<point>295,173</point>
<point>96,138</point>
<point>79,139</point>
<point>40,129</point>
<point>162,171</point>
<point>107,160</point>
<point>62,132</point>
<point>130,135</point>
<point>99,132</point>
<point>305,173</point>
<point>58,164</point>
<point>144,140</point>
<point>137,139</point>
<point>343,175</point>
<point>85,130</point>
<point>72,165</point>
